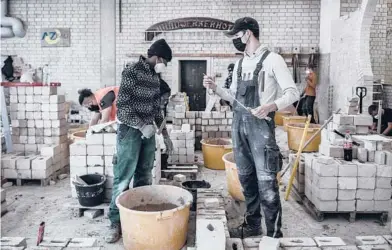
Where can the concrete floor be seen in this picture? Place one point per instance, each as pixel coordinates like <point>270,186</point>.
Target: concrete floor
<point>30,205</point>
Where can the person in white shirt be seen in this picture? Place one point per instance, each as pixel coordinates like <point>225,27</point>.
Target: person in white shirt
<point>257,78</point>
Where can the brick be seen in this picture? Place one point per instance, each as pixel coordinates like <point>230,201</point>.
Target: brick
<point>382,194</point>
<point>380,157</point>
<point>370,240</point>
<point>347,183</point>
<point>95,150</point>
<point>384,171</point>
<point>365,194</point>
<point>346,195</point>
<point>51,150</point>
<point>367,170</point>
<point>94,139</point>
<point>95,161</point>
<point>341,119</point>
<point>383,182</point>
<point>297,242</point>
<point>324,194</point>
<point>366,182</point>
<point>24,162</point>
<point>347,169</point>
<point>329,241</point>
<point>363,120</point>
<point>363,205</point>
<point>41,162</point>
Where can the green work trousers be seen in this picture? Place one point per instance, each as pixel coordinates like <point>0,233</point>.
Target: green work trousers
<point>134,159</point>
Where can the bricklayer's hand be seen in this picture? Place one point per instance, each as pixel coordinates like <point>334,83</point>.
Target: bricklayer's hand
<point>209,83</point>
<point>262,112</point>
<point>148,131</point>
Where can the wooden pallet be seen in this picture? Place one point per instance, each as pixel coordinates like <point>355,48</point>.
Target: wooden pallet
<point>320,215</point>
<point>79,209</point>
<point>43,182</point>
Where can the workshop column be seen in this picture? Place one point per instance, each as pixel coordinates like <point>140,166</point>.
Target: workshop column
<point>329,10</point>
<point>108,43</point>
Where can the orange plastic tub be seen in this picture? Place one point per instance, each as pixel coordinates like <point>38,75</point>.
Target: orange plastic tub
<point>279,117</point>
<point>213,151</point>
<point>293,119</point>
<point>294,135</point>
<point>233,183</point>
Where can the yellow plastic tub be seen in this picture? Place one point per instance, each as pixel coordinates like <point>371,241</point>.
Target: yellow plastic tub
<point>213,151</point>
<point>79,135</point>
<point>154,217</point>
<point>293,119</point>
<point>233,183</point>
<point>294,134</point>
<point>279,117</point>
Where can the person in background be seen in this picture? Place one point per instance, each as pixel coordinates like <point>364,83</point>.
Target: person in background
<point>102,102</point>
<point>386,119</point>
<point>165,95</point>
<point>138,115</point>
<point>258,77</point>
<point>310,92</point>
<point>228,82</point>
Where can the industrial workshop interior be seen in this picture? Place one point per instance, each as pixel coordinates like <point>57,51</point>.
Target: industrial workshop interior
<point>196,125</point>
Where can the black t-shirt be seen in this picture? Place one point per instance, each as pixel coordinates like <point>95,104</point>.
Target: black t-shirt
<point>107,100</point>
<point>386,117</point>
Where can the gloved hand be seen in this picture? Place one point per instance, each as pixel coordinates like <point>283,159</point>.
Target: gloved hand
<point>168,144</point>
<point>148,131</point>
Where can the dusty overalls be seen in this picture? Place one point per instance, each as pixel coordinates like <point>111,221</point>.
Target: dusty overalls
<point>257,155</point>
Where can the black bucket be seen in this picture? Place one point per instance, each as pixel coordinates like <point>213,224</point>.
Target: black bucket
<point>192,187</point>
<point>94,193</point>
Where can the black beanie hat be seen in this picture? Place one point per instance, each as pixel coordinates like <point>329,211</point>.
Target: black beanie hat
<point>160,48</point>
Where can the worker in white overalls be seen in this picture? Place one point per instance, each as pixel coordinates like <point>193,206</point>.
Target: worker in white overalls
<point>256,80</point>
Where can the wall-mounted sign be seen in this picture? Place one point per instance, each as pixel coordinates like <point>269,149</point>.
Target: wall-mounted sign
<point>55,37</point>
<point>187,23</point>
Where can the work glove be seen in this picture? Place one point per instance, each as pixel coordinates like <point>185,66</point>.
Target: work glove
<point>148,131</point>
<point>168,144</point>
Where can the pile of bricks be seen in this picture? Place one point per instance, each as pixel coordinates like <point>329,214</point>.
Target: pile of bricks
<point>339,186</point>
<point>183,145</point>
<point>179,100</point>
<point>95,156</point>
<point>332,144</point>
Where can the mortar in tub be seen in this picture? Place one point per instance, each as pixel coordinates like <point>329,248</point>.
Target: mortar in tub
<point>154,217</point>
<point>213,151</point>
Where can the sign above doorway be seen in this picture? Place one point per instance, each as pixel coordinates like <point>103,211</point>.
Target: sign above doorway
<point>187,23</point>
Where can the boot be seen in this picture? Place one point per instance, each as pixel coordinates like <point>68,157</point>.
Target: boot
<point>114,233</point>
<point>244,231</point>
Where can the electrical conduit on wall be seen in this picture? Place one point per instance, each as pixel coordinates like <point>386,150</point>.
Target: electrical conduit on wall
<point>10,26</point>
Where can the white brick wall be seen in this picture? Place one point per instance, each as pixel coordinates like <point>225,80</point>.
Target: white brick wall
<point>76,66</point>
<point>388,54</point>
<point>285,23</point>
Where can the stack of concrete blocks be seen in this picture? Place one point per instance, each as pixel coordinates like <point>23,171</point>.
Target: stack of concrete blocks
<point>183,145</point>
<point>352,106</point>
<point>79,115</point>
<point>95,156</point>
<point>340,186</point>
<point>332,143</point>
<point>376,149</point>
<point>299,181</point>
<point>178,99</point>
<point>37,118</point>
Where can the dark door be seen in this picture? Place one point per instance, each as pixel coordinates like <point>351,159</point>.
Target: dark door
<point>192,83</point>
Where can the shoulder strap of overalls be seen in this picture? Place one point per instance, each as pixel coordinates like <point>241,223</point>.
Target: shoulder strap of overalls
<point>239,72</point>
<point>259,65</point>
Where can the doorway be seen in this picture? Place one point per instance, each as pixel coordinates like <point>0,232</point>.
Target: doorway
<point>192,83</point>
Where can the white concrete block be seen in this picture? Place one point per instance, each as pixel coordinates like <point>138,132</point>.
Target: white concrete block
<point>342,119</point>
<point>24,162</point>
<point>382,206</point>
<point>269,243</point>
<point>10,173</point>
<point>365,194</point>
<point>58,123</point>
<point>95,170</point>
<point>381,194</point>
<point>109,171</point>
<point>78,148</point>
<point>324,194</point>
<point>362,155</point>
<point>347,169</point>
<point>51,150</point>
<point>8,161</point>
<point>370,240</point>
<point>59,131</point>
<point>362,130</point>
<point>366,183</point>
<point>371,155</point>
<point>380,157</point>
<point>94,139</point>
<point>388,156</point>
<point>95,161</point>
<point>297,242</point>
<point>346,195</point>
<point>46,90</point>
<point>24,174</point>
<point>210,234</point>
<point>325,182</point>
<point>363,120</point>
<point>109,150</point>
<point>384,171</point>
<point>363,205</point>
<point>329,241</point>
<point>109,139</point>
<point>382,182</point>
<point>370,145</point>
<point>38,99</point>
<point>108,160</point>
<point>95,150</point>
<point>41,163</point>
<point>325,170</point>
<point>78,161</point>
<point>41,173</point>
<point>56,99</point>
<point>367,170</point>
<point>325,206</point>
<point>347,183</point>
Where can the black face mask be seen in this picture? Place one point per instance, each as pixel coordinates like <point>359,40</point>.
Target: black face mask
<point>94,108</point>
<point>239,45</point>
